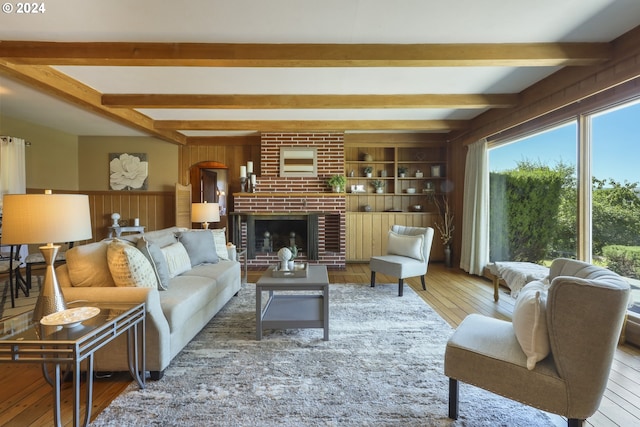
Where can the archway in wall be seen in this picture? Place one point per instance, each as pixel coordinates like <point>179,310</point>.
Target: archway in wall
<point>210,183</point>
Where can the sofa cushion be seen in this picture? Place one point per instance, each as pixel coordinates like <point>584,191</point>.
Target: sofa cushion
<point>220,240</point>
<point>177,259</point>
<point>530,322</point>
<point>88,266</point>
<point>200,246</point>
<point>154,254</point>
<point>129,267</point>
<point>187,294</point>
<point>404,245</point>
<point>162,238</point>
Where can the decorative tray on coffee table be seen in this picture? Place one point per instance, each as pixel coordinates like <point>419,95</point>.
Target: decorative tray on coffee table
<point>300,269</point>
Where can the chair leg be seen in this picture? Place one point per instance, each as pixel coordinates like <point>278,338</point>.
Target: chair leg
<point>454,394</point>
<point>574,422</point>
<point>373,279</point>
<point>424,285</point>
<point>400,287</point>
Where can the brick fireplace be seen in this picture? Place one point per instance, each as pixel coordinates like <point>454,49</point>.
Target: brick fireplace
<point>302,198</point>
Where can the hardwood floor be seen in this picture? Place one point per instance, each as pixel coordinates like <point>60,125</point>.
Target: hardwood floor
<point>26,399</point>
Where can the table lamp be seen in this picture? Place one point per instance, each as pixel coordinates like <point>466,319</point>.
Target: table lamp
<point>40,218</point>
<point>205,213</point>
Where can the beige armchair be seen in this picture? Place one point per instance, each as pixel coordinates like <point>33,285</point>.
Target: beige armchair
<point>584,313</point>
<point>408,251</point>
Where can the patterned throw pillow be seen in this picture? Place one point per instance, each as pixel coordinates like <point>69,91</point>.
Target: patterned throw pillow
<point>129,267</point>
<point>220,240</point>
<point>177,259</point>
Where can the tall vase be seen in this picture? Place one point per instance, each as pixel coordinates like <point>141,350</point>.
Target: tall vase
<point>447,256</point>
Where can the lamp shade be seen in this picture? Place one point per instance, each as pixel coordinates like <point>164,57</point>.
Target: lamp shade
<point>45,218</point>
<point>205,212</point>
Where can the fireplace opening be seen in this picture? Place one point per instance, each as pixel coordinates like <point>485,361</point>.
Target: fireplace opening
<point>272,235</point>
<point>267,234</point>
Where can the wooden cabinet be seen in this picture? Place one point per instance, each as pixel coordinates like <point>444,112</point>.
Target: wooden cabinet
<point>367,233</point>
<point>405,200</point>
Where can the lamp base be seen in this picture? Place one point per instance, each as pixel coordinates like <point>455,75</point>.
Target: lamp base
<point>50,299</point>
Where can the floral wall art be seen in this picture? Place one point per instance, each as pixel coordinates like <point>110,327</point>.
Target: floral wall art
<point>128,171</point>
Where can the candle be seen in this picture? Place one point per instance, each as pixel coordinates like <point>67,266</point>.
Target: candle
<point>253,180</point>
<point>250,167</point>
<point>136,222</point>
<point>243,171</point>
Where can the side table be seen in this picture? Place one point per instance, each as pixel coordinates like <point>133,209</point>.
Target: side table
<point>126,229</point>
<point>23,341</point>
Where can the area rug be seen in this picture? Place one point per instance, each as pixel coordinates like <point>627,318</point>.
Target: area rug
<point>382,366</point>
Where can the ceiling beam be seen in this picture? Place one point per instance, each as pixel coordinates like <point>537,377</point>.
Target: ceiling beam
<point>296,125</point>
<point>55,83</point>
<point>303,55</point>
<point>309,101</point>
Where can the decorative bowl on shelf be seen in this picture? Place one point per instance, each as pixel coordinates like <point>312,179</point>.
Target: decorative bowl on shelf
<point>411,190</point>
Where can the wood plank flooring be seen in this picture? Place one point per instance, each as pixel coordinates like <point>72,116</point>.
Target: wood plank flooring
<point>26,399</point>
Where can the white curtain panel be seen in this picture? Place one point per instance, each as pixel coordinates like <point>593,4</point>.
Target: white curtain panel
<point>13,177</point>
<point>475,215</point>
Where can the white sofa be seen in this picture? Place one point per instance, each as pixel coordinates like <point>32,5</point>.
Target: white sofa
<point>105,272</point>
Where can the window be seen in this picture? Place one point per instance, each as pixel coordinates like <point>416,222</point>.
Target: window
<point>533,225</point>
<point>598,216</point>
<point>615,134</point>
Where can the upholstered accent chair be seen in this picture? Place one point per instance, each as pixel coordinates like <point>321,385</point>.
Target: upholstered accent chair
<point>583,315</point>
<point>408,251</point>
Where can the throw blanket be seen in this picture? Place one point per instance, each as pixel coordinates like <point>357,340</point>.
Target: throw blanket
<point>518,274</point>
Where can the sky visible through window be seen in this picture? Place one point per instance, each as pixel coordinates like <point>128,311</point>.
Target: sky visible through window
<point>616,136</point>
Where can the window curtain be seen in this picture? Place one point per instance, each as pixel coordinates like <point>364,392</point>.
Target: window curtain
<point>13,178</point>
<point>475,214</point>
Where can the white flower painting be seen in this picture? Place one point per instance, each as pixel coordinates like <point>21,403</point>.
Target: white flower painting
<point>128,171</point>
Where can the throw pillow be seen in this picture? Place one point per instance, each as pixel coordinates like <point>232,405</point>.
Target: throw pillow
<point>220,240</point>
<point>129,268</point>
<point>530,322</point>
<point>88,265</point>
<point>154,254</point>
<point>177,259</point>
<point>200,246</point>
<point>404,245</point>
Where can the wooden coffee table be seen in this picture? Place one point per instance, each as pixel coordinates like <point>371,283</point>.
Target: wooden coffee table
<point>297,309</point>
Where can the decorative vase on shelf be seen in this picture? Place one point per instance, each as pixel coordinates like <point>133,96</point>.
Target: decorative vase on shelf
<point>379,190</point>
<point>447,255</point>
<point>368,157</point>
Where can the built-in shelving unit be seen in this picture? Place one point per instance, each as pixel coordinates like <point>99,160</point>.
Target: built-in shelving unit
<point>370,214</point>
<point>425,175</point>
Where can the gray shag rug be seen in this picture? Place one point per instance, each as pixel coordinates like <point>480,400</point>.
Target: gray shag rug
<point>383,366</point>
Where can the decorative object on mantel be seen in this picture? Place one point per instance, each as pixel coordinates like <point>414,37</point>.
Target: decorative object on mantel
<point>378,184</point>
<point>402,171</point>
<point>368,171</point>
<point>337,183</point>
<point>128,171</point>
<point>445,227</point>
<point>37,218</point>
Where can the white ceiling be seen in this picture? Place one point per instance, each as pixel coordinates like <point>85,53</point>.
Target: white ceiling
<point>298,21</point>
